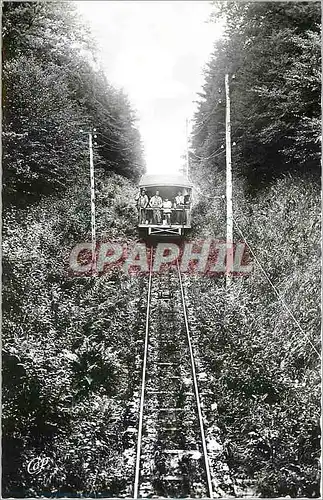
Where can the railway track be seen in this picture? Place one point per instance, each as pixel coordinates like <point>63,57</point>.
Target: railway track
<point>171,457</point>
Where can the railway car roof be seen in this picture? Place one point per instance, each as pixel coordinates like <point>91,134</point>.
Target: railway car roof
<point>165,180</point>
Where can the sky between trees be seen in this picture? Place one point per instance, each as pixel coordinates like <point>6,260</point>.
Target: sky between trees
<point>156,51</point>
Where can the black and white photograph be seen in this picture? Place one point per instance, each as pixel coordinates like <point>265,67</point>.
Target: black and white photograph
<point>161,249</point>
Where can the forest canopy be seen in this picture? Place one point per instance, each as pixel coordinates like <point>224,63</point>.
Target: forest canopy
<point>53,87</point>
<point>272,53</point>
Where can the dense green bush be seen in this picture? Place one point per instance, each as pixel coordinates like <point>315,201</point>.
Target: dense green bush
<point>68,345</point>
<point>264,369</point>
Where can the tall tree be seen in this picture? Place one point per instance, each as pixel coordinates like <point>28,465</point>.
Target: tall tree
<point>53,87</point>
<point>273,51</point>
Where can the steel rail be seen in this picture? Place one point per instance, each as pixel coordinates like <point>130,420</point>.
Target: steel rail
<point>197,395</point>
<point>142,396</point>
<point>143,386</point>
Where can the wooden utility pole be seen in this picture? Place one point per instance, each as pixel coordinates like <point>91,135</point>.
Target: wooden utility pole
<point>92,204</point>
<point>229,266</point>
<point>187,152</point>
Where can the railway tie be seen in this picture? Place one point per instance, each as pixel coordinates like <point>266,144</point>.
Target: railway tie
<point>172,456</point>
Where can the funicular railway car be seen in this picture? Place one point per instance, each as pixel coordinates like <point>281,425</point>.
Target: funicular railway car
<point>164,205</point>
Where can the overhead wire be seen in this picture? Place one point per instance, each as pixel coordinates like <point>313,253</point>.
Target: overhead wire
<point>201,125</point>
<point>127,148</point>
<point>213,155</point>
<point>117,127</point>
<point>204,194</point>
<point>276,291</point>
<point>274,288</point>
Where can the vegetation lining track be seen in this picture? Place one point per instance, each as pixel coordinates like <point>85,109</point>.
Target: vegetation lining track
<point>172,457</point>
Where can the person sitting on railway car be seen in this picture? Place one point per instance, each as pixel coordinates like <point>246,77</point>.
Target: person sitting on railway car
<point>142,203</point>
<point>167,210</point>
<point>187,206</point>
<point>187,199</point>
<point>156,204</point>
<point>179,204</point>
